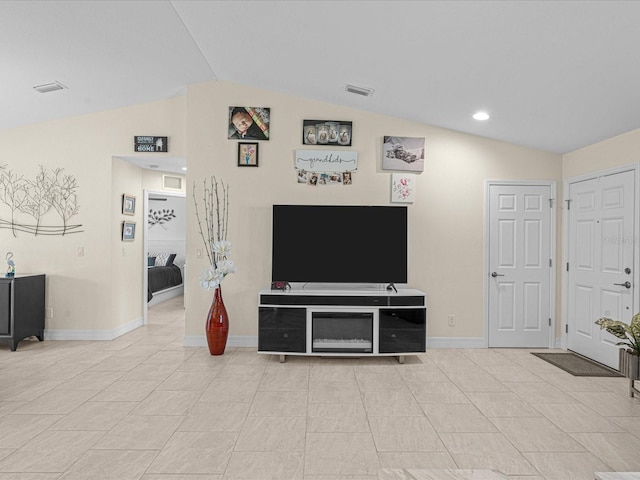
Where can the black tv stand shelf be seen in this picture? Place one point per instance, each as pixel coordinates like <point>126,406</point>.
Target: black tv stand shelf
<point>342,322</point>
<point>21,308</point>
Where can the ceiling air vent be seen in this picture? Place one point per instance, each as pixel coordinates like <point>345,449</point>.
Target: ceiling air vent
<point>49,87</point>
<point>365,92</point>
<point>169,182</point>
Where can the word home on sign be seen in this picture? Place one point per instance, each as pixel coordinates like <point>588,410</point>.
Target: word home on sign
<point>144,143</point>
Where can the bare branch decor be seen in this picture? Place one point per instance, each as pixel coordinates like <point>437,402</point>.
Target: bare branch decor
<point>213,230</point>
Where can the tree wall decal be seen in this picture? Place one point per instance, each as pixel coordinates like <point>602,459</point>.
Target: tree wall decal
<point>36,198</point>
<point>160,217</point>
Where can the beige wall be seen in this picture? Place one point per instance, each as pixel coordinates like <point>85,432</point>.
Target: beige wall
<point>100,291</point>
<point>80,290</point>
<point>612,152</point>
<point>126,257</point>
<point>446,229</point>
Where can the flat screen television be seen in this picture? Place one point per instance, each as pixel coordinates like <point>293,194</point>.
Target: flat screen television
<point>339,244</point>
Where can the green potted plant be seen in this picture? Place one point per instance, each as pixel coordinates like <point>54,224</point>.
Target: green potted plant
<point>630,351</point>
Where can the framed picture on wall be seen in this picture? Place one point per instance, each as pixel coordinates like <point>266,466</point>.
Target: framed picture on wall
<point>403,153</point>
<point>128,231</point>
<point>128,204</point>
<point>249,123</point>
<point>248,154</point>
<point>326,132</point>
<point>403,187</point>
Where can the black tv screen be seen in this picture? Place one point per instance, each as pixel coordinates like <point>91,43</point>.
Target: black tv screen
<point>339,244</point>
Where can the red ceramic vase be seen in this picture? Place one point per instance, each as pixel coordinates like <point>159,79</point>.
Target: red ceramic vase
<point>217,324</point>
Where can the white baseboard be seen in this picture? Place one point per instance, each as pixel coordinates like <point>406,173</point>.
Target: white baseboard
<point>247,341</point>
<point>232,341</point>
<point>467,342</point>
<point>50,334</point>
<point>251,341</point>
<point>165,295</point>
<point>456,342</point>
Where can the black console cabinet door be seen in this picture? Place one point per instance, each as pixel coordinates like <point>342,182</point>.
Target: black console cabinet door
<point>282,329</point>
<point>403,330</point>
<point>5,308</point>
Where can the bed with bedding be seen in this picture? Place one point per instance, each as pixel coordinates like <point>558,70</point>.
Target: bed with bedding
<point>162,274</point>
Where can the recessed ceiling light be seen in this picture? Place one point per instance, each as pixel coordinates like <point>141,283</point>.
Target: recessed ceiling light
<point>481,116</point>
<point>49,87</point>
<point>184,168</point>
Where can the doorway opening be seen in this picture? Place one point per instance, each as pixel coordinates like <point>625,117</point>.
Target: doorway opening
<point>164,243</point>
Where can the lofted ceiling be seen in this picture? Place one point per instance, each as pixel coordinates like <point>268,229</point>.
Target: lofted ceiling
<point>554,76</point>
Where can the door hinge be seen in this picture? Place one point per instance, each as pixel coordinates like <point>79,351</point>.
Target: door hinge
<point>568,204</point>
<point>567,266</point>
<point>566,328</point>
<point>550,262</point>
<point>551,203</point>
<point>549,322</point>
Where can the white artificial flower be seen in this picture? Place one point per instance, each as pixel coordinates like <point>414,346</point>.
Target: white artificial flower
<point>223,248</point>
<point>210,278</point>
<point>225,267</point>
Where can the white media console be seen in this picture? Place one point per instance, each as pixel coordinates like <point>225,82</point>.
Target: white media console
<point>342,322</point>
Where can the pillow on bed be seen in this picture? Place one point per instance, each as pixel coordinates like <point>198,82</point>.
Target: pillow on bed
<point>161,259</point>
<point>170,260</point>
<point>151,261</point>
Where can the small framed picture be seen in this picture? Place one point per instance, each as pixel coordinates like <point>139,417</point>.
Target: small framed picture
<point>403,187</point>
<point>248,154</point>
<point>128,204</point>
<point>128,231</point>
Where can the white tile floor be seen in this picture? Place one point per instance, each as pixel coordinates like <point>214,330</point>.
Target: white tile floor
<point>143,407</point>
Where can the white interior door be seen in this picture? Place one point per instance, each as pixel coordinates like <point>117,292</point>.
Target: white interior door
<point>600,273</point>
<point>520,267</point>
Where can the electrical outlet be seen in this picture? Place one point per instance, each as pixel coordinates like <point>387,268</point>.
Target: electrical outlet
<point>49,312</point>
<point>80,252</point>
<point>452,320</point>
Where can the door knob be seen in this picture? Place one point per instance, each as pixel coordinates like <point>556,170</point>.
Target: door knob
<point>625,284</point>
<point>496,274</point>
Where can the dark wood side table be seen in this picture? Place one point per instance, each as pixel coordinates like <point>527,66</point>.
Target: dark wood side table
<point>21,308</point>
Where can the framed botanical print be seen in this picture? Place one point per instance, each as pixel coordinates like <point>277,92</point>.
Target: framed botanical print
<point>403,187</point>
<point>248,154</point>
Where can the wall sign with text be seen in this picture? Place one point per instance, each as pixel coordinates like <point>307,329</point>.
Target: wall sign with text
<point>145,143</point>
<point>326,160</point>
<point>325,167</point>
